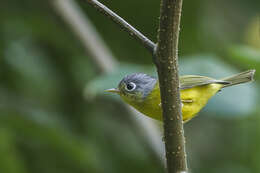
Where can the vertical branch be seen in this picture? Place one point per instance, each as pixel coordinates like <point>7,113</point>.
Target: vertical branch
<point>166,60</point>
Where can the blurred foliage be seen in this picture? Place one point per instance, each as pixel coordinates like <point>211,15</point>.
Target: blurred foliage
<point>54,116</point>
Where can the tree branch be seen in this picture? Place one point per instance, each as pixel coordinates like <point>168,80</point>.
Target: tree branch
<point>166,60</point>
<point>148,44</point>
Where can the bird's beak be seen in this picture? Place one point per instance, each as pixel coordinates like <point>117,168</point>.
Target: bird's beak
<point>113,90</point>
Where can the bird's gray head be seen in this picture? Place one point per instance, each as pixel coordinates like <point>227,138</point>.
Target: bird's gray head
<point>136,86</point>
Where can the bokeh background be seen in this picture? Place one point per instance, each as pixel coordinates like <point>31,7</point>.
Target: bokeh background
<point>55,117</point>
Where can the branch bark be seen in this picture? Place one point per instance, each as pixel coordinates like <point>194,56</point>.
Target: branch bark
<point>148,44</point>
<point>166,60</point>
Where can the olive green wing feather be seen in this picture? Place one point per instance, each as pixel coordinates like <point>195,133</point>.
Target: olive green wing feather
<point>190,81</point>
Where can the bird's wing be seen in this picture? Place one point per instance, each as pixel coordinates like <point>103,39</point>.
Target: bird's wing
<point>190,81</point>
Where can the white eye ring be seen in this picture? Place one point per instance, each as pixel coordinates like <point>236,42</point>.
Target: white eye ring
<point>130,86</point>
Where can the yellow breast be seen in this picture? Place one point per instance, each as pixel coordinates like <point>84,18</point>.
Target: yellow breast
<point>197,98</point>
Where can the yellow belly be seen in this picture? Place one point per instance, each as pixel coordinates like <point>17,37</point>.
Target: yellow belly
<point>198,96</point>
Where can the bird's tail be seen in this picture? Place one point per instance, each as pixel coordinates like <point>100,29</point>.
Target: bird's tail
<point>243,77</point>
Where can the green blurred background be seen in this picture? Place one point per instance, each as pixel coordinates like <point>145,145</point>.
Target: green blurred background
<point>55,117</point>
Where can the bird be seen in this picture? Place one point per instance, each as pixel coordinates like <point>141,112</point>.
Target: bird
<point>142,92</point>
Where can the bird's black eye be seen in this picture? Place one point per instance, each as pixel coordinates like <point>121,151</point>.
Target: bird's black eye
<point>130,86</point>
